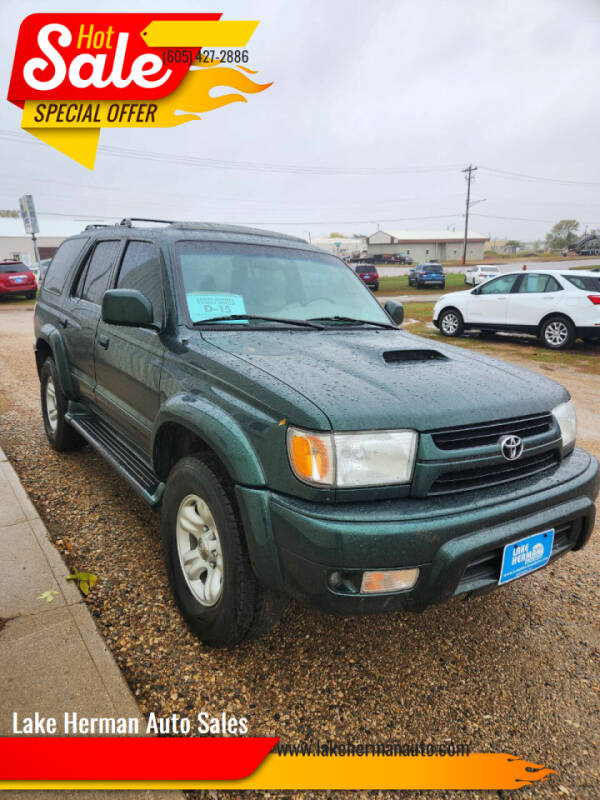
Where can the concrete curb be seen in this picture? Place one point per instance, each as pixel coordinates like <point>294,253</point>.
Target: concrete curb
<point>52,657</point>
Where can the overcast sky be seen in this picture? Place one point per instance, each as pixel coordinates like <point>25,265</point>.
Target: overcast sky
<point>392,85</point>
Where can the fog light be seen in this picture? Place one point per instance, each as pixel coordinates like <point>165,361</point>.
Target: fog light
<point>392,581</point>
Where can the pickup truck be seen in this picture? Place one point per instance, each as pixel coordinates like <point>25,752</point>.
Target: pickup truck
<point>297,441</point>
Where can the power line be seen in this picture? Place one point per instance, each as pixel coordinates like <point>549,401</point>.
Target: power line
<point>538,178</point>
<point>210,163</point>
<point>213,163</point>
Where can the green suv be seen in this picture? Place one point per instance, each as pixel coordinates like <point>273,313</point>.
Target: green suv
<point>298,442</point>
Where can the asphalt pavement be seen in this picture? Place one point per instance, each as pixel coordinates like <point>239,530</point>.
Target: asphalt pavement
<point>386,271</point>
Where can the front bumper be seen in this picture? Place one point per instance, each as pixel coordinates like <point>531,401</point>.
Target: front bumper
<point>455,540</point>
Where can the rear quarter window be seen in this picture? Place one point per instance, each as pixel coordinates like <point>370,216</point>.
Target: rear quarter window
<point>586,282</point>
<point>60,266</point>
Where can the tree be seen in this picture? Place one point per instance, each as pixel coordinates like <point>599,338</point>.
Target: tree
<point>336,235</point>
<point>512,245</point>
<point>562,234</point>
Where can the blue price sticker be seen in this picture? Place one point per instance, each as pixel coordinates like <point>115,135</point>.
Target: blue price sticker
<point>207,305</point>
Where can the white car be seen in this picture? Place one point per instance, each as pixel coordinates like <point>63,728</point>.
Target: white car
<point>480,274</point>
<point>556,305</point>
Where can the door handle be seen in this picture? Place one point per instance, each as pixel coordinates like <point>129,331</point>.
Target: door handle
<point>104,341</point>
<point>63,321</point>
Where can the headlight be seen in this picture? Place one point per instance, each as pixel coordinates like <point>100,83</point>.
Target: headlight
<point>566,417</point>
<point>347,460</point>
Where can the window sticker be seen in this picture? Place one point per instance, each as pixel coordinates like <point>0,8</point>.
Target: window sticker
<point>207,305</point>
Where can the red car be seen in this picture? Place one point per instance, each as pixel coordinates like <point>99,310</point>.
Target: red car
<point>16,278</point>
<point>368,274</point>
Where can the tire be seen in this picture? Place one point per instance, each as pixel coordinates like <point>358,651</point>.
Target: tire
<point>60,434</point>
<point>30,295</point>
<point>557,332</point>
<point>419,285</point>
<point>207,561</point>
<point>450,322</point>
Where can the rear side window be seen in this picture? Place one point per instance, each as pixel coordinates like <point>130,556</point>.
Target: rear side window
<point>586,282</point>
<point>60,266</point>
<point>98,270</point>
<point>140,269</point>
<point>538,283</point>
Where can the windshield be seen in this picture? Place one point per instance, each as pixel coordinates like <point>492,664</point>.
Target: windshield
<point>220,280</point>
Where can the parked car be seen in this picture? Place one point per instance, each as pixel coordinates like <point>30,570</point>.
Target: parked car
<point>368,274</point>
<point>426,275</point>
<point>480,274</point>
<point>298,442</point>
<point>557,307</point>
<point>400,258</point>
<point>16,279</point>
<point>39,269</point>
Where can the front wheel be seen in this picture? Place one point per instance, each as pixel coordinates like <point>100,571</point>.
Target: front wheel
<point>54,407</point>
<point>451,322</point>
<point>557,332</point>
<point>206,557</point>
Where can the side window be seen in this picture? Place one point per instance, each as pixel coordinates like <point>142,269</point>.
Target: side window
<point>140,269</point>
<point>501,285</point>
<point>97,272</point>
<point>60,266</point>
<point>538,283</point>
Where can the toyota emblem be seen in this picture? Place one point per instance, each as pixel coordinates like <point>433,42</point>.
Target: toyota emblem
<point>511,447</point>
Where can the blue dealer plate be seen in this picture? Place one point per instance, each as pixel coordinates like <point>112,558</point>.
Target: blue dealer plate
<point>526,555</point>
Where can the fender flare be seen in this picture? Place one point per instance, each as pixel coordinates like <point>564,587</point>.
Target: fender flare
<point>219,430</point>
<point>52,337</point>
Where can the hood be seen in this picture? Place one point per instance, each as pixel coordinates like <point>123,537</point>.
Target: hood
<point>382,379</point>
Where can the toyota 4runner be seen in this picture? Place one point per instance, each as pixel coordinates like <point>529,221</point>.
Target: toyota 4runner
<point>298,442</point>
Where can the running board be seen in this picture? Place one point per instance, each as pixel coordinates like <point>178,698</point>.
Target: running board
<point>127,463</point>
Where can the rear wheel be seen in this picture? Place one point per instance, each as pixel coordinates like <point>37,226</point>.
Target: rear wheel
<point>30,295</point>
<point>451,322</point>
<point>207,562</point>
<point>54,407</point>
<point>557,332</point>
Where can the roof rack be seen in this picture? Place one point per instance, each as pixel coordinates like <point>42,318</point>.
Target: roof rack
<point>127,221</point>
<point>94,226</point>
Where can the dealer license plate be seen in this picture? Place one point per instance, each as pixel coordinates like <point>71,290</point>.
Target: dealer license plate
<point>526,555</point>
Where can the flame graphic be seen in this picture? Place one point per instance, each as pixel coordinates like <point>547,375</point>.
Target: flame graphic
<point>193,96</point>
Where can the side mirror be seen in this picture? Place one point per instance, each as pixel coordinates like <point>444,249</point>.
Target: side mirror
<point>395,310</point>
<point>127,307</point>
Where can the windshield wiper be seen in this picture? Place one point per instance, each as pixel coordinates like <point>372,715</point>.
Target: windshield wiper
<point>356,321</point>
<point>234,317</point>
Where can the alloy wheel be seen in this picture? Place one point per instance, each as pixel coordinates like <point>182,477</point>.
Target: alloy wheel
<point>199,549</point>
<point>51,406</point>
<point>556,333</point>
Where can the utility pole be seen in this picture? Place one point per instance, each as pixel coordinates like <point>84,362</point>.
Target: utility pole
<point>469,170</point>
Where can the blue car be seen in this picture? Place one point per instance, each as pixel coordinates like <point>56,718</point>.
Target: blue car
<point>427,275</point>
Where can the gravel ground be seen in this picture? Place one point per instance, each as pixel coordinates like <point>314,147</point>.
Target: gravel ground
<point>512,671</point>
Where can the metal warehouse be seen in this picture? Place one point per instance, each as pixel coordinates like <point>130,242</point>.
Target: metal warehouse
<point>426,245</point>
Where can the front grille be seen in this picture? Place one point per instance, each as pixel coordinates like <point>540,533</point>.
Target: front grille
<point>493,474</point>
<point>489,433</point>
<point>485,569</point>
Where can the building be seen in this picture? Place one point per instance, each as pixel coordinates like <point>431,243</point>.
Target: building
<point>426,245</point>
<point>20,248</point>
<point>351,246</point>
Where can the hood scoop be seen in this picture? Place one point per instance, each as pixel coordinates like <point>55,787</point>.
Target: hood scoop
<point>412,356</point>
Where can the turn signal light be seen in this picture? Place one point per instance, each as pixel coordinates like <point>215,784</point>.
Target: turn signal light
<point>389,581</point>
<point>594,298</point>
<point>311,456</point>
